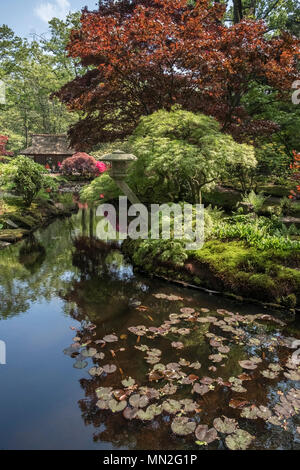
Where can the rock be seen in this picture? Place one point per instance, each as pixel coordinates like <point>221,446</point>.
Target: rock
<point>12,235</point>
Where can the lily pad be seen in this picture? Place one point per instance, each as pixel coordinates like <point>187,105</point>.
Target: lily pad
<point>130,413</point>
<point>248,365</point>
<point>225,426</point>
<point>240,440</point>
<point>182,426</point>
<point>109,368</point>
<point>102,404</point>
<point>116,406</point>
<point>200,389</point>
<point>138,401</point>
<point>104,393</point>
<point>89,352</point>
<point>203,434</point>
<point>96,371</point>
<point>169,389</point>
<point>128,382</point>
<point>171,406</point>
<point>216,357</point>
<point>80,364</point>
<point>110,338</point>
<point>177,345</point>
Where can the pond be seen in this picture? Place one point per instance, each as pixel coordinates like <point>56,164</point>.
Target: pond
<point>99,357</point>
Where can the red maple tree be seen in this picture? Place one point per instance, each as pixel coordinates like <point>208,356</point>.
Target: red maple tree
<point>3,142</point>
<point>152,54</point>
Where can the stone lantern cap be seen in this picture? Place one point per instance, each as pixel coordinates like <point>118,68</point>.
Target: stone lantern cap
<point>118,156</point>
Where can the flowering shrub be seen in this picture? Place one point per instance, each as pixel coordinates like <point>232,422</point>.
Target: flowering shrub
<point>82,164</point>
<point>3,143</point>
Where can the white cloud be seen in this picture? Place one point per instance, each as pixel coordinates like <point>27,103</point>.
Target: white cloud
<point>48,10</point>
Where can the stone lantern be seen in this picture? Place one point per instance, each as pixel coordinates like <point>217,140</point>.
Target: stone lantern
<point>119,165</point>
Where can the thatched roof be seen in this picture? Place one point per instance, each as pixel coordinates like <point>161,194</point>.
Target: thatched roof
<point>49,144</point>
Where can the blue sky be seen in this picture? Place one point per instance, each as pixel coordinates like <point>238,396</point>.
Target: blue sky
<point>31,16</point>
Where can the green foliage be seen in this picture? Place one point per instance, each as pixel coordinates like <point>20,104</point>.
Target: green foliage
<point>101,186</point>
<point>256,201</point>
<point>180,154</point>
<point>26,178</point>
<point>261,232</point>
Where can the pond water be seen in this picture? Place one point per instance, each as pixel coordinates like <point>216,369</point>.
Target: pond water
<point>77,325</point>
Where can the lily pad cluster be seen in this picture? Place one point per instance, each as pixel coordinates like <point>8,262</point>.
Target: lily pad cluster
<point>175,390</point>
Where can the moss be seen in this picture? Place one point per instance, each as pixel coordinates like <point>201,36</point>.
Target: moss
<point>261,275</point>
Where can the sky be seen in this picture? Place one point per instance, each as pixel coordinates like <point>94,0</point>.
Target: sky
<point>26,17</point>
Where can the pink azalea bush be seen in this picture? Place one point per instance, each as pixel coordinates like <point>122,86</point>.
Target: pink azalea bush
<point>82,164</point>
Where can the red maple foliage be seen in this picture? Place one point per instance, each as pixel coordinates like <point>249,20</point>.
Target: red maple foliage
<point>3,142</point>
<point>152,54</point>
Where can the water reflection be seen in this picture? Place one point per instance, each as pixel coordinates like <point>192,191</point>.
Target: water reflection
<point>93,285</point>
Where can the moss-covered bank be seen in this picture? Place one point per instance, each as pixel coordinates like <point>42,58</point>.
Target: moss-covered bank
<point>269,276</point>
<point>18,221</point>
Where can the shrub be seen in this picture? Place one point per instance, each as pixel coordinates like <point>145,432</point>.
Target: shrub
<point>26,178</point>
<point>82,164</point>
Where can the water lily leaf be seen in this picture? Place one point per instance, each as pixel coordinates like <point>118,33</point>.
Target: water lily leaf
<point>138,401</point>
<point>275,367</point>
<point>104,393</point>
<point>140,330</point>
<point>292,375</point>
<point>177,345</point>
<point>142,347</point>
<point>154,409</point>
<point>151,393</point>
<point>255,359</point>
<point>89,352</point>
<point>195,365</point>
<point>200,389</point>
<point>224,349</point>
<point>187,310</point>
<point>130,413</point>
<point>99,355</point>
<point>169,389</point>
<point>226,426</point>
<point>145,415</point>
<point>249,412</point>
<point>204,310</point>
<point>116,406</point>
<point>203,434</point>
<point>183,331</point>
<point>171,406</point>
<point>240,440</point>
<point>216,357</point>
<point>80,364</point>
<point>109,368</point>
<point>129,382</point>
<point>152,360</point>
<point>110,338</point>
<point>189,405</point>
<point>173,366</point>
<point>96,371</point>
<point>206,380</point>
<point>102,404</point>
<point>248,365</point>
<point>183,362</point>
<point>269,374</point>
<point>182,426</point>
<point>275,421</point>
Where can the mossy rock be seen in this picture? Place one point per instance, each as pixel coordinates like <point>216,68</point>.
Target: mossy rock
<point>12,235</point>
<point>28,222</point>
